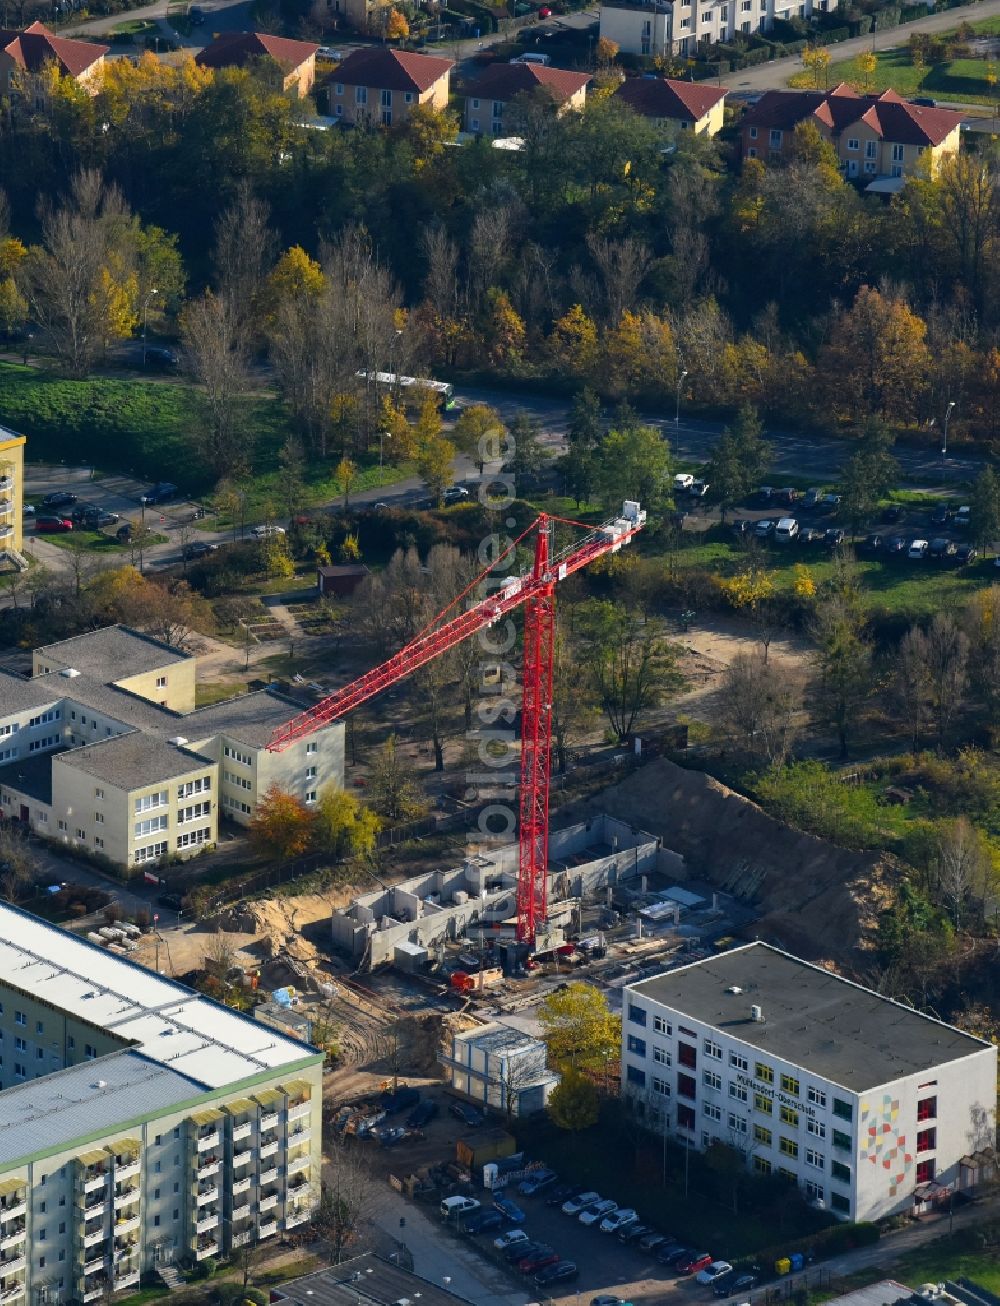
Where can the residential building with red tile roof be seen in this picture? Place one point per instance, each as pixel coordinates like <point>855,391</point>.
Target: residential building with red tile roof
<point>34,48</point>
<point>295,61</point>
<point>694,106</point>
<point>376,84</point>
<point>875,136</point>
<point>487,97</point>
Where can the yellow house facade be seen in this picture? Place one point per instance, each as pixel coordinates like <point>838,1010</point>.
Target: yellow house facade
<point>11,495</point>
<point>382,86</point>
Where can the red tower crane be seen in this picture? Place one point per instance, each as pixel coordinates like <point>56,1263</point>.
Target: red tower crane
<point>535,590</point>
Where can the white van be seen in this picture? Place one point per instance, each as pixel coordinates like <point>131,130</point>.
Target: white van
<point>786,530</point>
<point>458,1206</point>
<point>542,59</point>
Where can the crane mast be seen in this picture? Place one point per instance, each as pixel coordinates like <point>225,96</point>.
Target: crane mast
<point>535,590</point>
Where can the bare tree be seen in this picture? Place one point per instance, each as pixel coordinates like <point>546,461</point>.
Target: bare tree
<point>220,953</point>
<point>245,248</point>
<point>932,670</point>
<point>961,859</point>
<point>216,352</point>
<point>348,1198</point>
<point>758,702</point>
<point>490,242</point>
<point>622,264</point>
<point>441,279</point>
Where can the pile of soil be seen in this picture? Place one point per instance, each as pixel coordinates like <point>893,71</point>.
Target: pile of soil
<point>815,899</point>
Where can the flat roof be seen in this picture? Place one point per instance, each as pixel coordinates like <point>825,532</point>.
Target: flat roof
<point>171,1025</point>
<point>112,653</point>
<point>133,761</point>
<point>90,1098</point>
<point>365,1281</point>
<point>30,776</point>
<point>250,718</point>
<point>825,1024</point>
<point>18,694</point>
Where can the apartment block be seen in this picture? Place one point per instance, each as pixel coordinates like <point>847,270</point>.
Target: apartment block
<point>11,498</point>
<point>672,27</point>
<point>870,1107</point>
<point>103,749</point>
<point>141,1124</point>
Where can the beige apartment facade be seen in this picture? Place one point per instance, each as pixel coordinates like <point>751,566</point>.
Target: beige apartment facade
<point>11,497</point>
<point>140,1124</point>
<point>383,86</point>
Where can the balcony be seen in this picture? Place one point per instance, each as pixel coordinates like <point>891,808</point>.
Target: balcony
<point>240,1239</point>
<point>126,1171</point>
<point>299,1164</point>
<point>266,1203</point>
<point>300,1135</point>
<point>6,483</point>
<point>11,1238</point>
<point>92,1266</point>
<point>96,1209</point>
<point>241,1212</point>
<point>207,1222</point>
<point>296,1217</point>
<point>11,1291</point>
<point>267,1228</point>
<point>12,1265</point>
<point>124,1198</point>
<point>241,1131</point>
<point>268,1149</point>
<point>207,1195</point>
<point>269,1121</point>
<point>126,1280</point>
<point>94,1237</point>
<point>125,1226</point>
<point>14,1210</point>
<point>241,1158</point>
<point>93,1294</point>
<point>123,1254</point>
<point>205,1141</point>
<point>269,1176</point>
<point>298,1111</point>
<point>206,1249</point>
<point>241,1185</point>
<point>210,1168</point>
<point>92,1182</point>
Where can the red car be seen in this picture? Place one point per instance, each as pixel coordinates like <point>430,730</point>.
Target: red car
<point>692,1264</point>
<point>538,1260</point>
<point>545,12</point>
<point>52,525</point>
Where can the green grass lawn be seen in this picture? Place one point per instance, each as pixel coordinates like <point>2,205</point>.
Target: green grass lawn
<point>133,27</point>
<point>945,1258</point>
<point>95,541</point>
<point>959,79</point>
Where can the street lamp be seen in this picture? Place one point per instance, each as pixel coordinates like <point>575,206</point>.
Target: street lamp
<point>677,414</point>
<point>145,315</point>
<point>382,435</point>
<point>944,430</point>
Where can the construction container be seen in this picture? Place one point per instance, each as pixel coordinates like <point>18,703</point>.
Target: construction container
<point>783,1265</point>
<point>473,1153</point>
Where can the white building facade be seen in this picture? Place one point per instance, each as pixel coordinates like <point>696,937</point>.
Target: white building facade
<point>870,1107</point>
<point>663,28</point>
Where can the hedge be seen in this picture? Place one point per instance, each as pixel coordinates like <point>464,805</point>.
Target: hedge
<point>832,1241</point>
<point>833,35</point>
<point>886,19</point>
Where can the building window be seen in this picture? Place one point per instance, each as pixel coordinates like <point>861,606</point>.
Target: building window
<point>764,1073</point>
<point>816,1096</point>
<point>871,149</point>
<point>661,1056</point>
<point>311,747</point>
<point>712,1050</point>
<point>685,1117</point>
<point>762,1135</point>
<point>763,1104</point>
<point>244,759</point>
<point>361,95</point>
<point>815,1159</point>
<point>927,1140</point>
<point>192,838</point>
<point>20,1045</point>
<point>20,1018</point>
<point>311,773</point>
<point>142,828</point>
<point>840,1203</point>
<point>840,1172</point>
<point>712,1110</point>
<point>762,1165</point>
<point>846,1112</point>
<point>897,154</point>
<point>724,14</point>
<point>737,1124</point>
<point>151,853</point>
<point>854,144</point>
<point>738,1061</point>
<point>687,1055</point>
<point>637,1045</point>
<point>926,1110</point>
<point>753,133</point>
<point>789,1116</point>
<point>660,1024</point>
<point>161,682</point>
<point>788,1146</point>
<point>841,1141</point>
<point>98,793</point>
<point>790,1085</point>
<point>711,1079</point>
<point>816,1127</point>
<point>775,139</point>
<point>739,1092</point>
<point>636,1076</point>
<point>925,1171</point>
<point>637,1015</point>
<point>661,1086</point>
<point>814,1191</point>
<point>340,88</point>
<point>686,1087</point>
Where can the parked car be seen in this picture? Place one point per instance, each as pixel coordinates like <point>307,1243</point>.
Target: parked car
<point>918,550</point>
<point>266,532</point>
<point>786,530</point>
<point>811,498</point>
<point>536,1261</point>
<point>965,554</point>
<point>620,1219</point>
<point>741,526</point>
<point>963,518</point>
<point>509,1238</point>
<point>52,525</point>
<point>28,510</point>
<point>699,489</point>
<point>892,513</point>
<point>561,1272</point>
<point>896,545</point>
<point>942,549</point>
<point>536,1182</point>
<point>829,501</point>
<point>871,544</point>
<point>764,528</point>
<point>124,533</point>
<point>732,1285</point>
<point>683,481</point>
<point>459,1205</point>
<point>668,1251</point>
<point>455,494</point>
<point>561,1193</point>
<point>467,1113</point>
<point>483,1221</point>
<point>693,1262</point>
<point>788,496</point>
<point>390,1135</point>
<point>652,1241</point>
<point>596,1212</point>
<point>328,52</point>
<point>422,1114</point>
<point>713,1272</point>
<point>517,1251</point>
<point>833,538</point>
<point>580,1202</point>
<point>941,515</point>
<point>158,358</point>
<point>199,549</point>
<point>159,493</point>
<point>59,499</point>
<point>607,1299</point>
<point>631,1233</point>
<point>810,535</point>
<point>764,494</point>
<point>509,1209</point>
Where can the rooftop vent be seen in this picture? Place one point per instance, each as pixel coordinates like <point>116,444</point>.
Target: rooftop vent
<point>734,988</point>
<point>101,1083</point>
<point>757,1014</point>
<point>69,672</point>
<point>179,740</point>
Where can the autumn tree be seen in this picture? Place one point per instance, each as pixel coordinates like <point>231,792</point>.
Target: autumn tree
<point>962,862</point>
<point>346,473</point>
<point>842,656</point>
<point>476,425</point>
<point>435,457</point>
<point>344,826</point>
<point>632,666</point>
<point>574,1103</point>
<point>739,460</point>
<point>634,463</point>
<point>580,1030</point>
<point>281,828</point>
<point>816,61</point>
<point>396,26</point>
<point>394,793</point>
<point>866,64</point>
<point>878,356</point>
